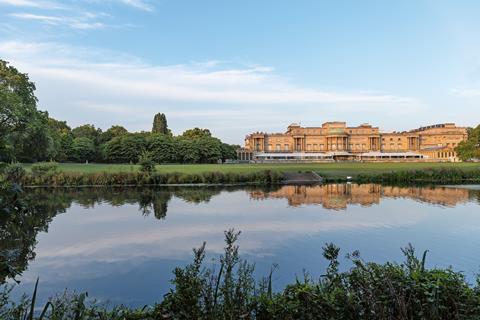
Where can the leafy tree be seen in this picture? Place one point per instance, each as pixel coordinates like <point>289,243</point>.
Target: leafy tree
<point>82,149</point>
<point>196,133</point>
<point>18,105</point>
<point>61,139</point>
<point>160,124</point>
<point>210,149</point>
<point>188,151</point>
<point>471,148</point>
<point>125,149</point>
<point>34,142</point>
<point>163,148</point>
<point>229,151</point>
<point>112,132</point>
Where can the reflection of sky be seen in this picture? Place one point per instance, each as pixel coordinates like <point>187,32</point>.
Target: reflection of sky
<point>116,253</point>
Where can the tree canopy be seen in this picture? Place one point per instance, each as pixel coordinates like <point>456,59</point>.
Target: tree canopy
<point>160,124</point>
<point>30,135</point>
<point>470,149</point>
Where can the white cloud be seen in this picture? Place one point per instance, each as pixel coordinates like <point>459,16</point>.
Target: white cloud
<point>138,4</point>
<point>85,21</point>
<point>466,93</point>
<point>30,3</point>
<point>106,88</point>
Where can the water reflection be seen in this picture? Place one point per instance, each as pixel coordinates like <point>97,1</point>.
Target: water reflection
<point>339,196</point>
<point>116,242</point>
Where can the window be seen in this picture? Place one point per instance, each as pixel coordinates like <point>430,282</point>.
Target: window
<point>270,147</point>
<point>286,147</point>
<point>277,147</point>
<point>315,147</point>
<point>321,147</point>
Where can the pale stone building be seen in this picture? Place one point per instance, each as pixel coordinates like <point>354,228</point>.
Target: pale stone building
<point>336,141</point>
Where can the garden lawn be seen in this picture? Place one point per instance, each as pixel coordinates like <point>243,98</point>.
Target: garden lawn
<point>325,169</point>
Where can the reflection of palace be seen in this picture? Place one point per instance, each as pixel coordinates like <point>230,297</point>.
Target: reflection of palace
<point>338,196</point>
<point>335,141</point>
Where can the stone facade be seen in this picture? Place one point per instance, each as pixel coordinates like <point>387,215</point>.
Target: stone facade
<point>434,142</point>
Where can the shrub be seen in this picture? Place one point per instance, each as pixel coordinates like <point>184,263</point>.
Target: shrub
<point>14,173</point>
<point>147,165</point>
<point>47,168</point>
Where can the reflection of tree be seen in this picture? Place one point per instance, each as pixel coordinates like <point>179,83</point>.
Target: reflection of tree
<point>22,218</point>
<point>24,215</point>
<point>156,201</point>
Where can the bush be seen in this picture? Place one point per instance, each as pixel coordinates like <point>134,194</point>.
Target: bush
<point>147,165</point>
<point>47,168</point>
<point>14,173</point>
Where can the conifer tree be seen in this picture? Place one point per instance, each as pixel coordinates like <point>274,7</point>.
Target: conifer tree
<point>160,124</point>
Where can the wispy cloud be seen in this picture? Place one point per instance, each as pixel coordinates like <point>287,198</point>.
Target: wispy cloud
<point>466,92</point>
<point>113,86</point>
<point>138,4</point>
<point>33,4</point>
<point>84,21</point>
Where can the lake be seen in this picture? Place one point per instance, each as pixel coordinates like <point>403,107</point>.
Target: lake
<point>121,245</point>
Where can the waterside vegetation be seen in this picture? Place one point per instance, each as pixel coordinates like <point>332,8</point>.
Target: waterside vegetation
<point>62,175</point>
<point>229,290</point>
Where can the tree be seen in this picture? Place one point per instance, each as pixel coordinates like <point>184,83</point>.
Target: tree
<point>229,151</point>
<point>160,124</point>
<point>62,139</point>
<point>470,148</point>
<point>18,105</point>
<point>163,148</point>
<point>196,133</point>
<point>112,132</point>
<point>33,143</point>
<point>82,150</point>
<point>125,149</point>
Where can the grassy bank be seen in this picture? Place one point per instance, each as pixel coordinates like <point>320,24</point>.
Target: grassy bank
<point>229,290</point>
<point>129,175</point>
<point>331,170</point>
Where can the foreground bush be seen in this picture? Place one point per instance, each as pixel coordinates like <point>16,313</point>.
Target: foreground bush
<point>229,291</point>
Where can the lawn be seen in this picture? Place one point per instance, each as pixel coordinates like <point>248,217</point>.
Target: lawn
<point>324,169</point>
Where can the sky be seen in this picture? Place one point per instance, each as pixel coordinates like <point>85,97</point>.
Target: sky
<point>253,65</point>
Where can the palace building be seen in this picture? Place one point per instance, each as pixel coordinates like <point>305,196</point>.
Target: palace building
<point>335,141</point>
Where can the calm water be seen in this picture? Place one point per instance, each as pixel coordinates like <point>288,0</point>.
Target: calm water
<point>121,245</point>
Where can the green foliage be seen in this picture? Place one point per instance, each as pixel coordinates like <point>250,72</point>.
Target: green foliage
<point>470,149</point>
<point>228,290</point>
<point>125,148</point>
<point>147,165</point>
<point>82,149</point>
<point>18,112</point>
<point>196,133</point>
<point>139,178</point>
<point>164,148</point>
<point>14,173</point>
<point>442,175</point>
<point>160,124</point>
<point>113,132</point>
<point>41,169</point>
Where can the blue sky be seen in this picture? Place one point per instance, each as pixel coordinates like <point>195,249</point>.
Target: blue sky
<point>242,66</point>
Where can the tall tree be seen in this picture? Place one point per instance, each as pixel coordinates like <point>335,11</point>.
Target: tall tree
<point>18,105</point>
<point>160,124</point>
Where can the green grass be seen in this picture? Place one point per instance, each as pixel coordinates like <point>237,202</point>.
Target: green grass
<point>325,169</point>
